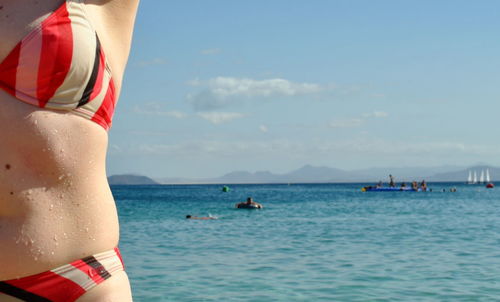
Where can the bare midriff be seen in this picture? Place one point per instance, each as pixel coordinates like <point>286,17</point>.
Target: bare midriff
<point>55,202</point>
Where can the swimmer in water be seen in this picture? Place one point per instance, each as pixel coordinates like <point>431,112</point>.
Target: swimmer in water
<point>201,218</point>
<point>249,204</point>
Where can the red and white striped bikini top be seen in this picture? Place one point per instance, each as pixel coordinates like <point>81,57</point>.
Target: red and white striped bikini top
<point>60,65</point>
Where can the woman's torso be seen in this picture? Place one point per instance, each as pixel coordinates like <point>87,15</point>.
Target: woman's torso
<point>55,202</point>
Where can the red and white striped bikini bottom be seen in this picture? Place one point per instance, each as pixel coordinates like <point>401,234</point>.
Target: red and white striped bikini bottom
<point>65,283</point>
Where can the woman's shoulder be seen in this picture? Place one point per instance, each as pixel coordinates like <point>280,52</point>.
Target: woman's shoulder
<point>114,22</point>
<point>113,11</point>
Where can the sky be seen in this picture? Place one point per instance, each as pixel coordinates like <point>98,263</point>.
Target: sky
<point>218,86</point>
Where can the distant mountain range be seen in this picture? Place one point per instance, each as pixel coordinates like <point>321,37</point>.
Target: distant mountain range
<point>314,174</point>
<point>130,179</point>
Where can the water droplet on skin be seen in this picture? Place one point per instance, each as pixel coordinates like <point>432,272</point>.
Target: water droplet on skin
<point>87,230</point>
<point>55,238</point>
<point>35,122</point>
<point>52,253</point>
<point>61,177</point>
<point>51,207</point>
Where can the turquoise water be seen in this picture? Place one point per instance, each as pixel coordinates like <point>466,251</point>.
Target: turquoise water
<point>323,242</point>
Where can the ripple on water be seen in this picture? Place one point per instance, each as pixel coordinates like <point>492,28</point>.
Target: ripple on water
<point>329,243</point>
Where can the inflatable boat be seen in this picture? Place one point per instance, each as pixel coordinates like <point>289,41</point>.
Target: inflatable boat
<point>248,206</point>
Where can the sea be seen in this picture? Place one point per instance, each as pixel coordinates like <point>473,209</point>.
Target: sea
<point>311,242</point>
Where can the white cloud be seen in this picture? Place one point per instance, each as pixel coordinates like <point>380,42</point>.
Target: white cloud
<point>376,114</point>
<point>358,121</point>
<point>211,51</point>
<point>347,123</point>
<point>224,87</point>
<point>222,91</point>
<point>175,114</point>
<point>152,62</point>
<point>201,148</point>
<point>220,117</point>
<point>155,109</point>
<point>114,149</point>
<point>195,82</point>
<point>366,152</point>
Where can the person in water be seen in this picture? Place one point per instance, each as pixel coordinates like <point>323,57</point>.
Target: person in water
<point>61,69</point>
<point>201,218</point>
<point>392,184</point>
<point>249,204</point>
<point>423,185</point>
<point>414,186</point>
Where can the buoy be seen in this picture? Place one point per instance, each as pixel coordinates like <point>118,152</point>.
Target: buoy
<point>225,189</point>
<point>490,186</point>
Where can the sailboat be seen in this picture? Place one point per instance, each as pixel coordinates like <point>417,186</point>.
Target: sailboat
<point>474,180</point>
<point>469,179</point>
<point>481,178</point>
<point>489,184</point>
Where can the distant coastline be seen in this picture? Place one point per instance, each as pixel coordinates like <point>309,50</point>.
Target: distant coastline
<point>315,174</point>
<point>131,179</point>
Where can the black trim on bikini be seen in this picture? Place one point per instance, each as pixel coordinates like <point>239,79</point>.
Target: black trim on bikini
<point>19,293</point>
<point>92,262</point>
<point>93,77</point>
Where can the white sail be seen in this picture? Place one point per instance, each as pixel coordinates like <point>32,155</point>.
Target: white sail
<point>488,175</point>
<point>469,179</point>
<point>481,178</point>
<point>475,178</point>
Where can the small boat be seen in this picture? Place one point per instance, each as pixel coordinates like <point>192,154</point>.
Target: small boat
<point>391,189</point>
<point>490,185</point>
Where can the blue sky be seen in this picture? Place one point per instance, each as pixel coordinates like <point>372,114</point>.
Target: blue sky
<point>217,86</point>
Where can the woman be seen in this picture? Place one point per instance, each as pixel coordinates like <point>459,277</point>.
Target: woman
<point>61,68</point>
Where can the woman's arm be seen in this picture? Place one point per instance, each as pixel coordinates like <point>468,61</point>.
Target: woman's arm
<point>114,21</point>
